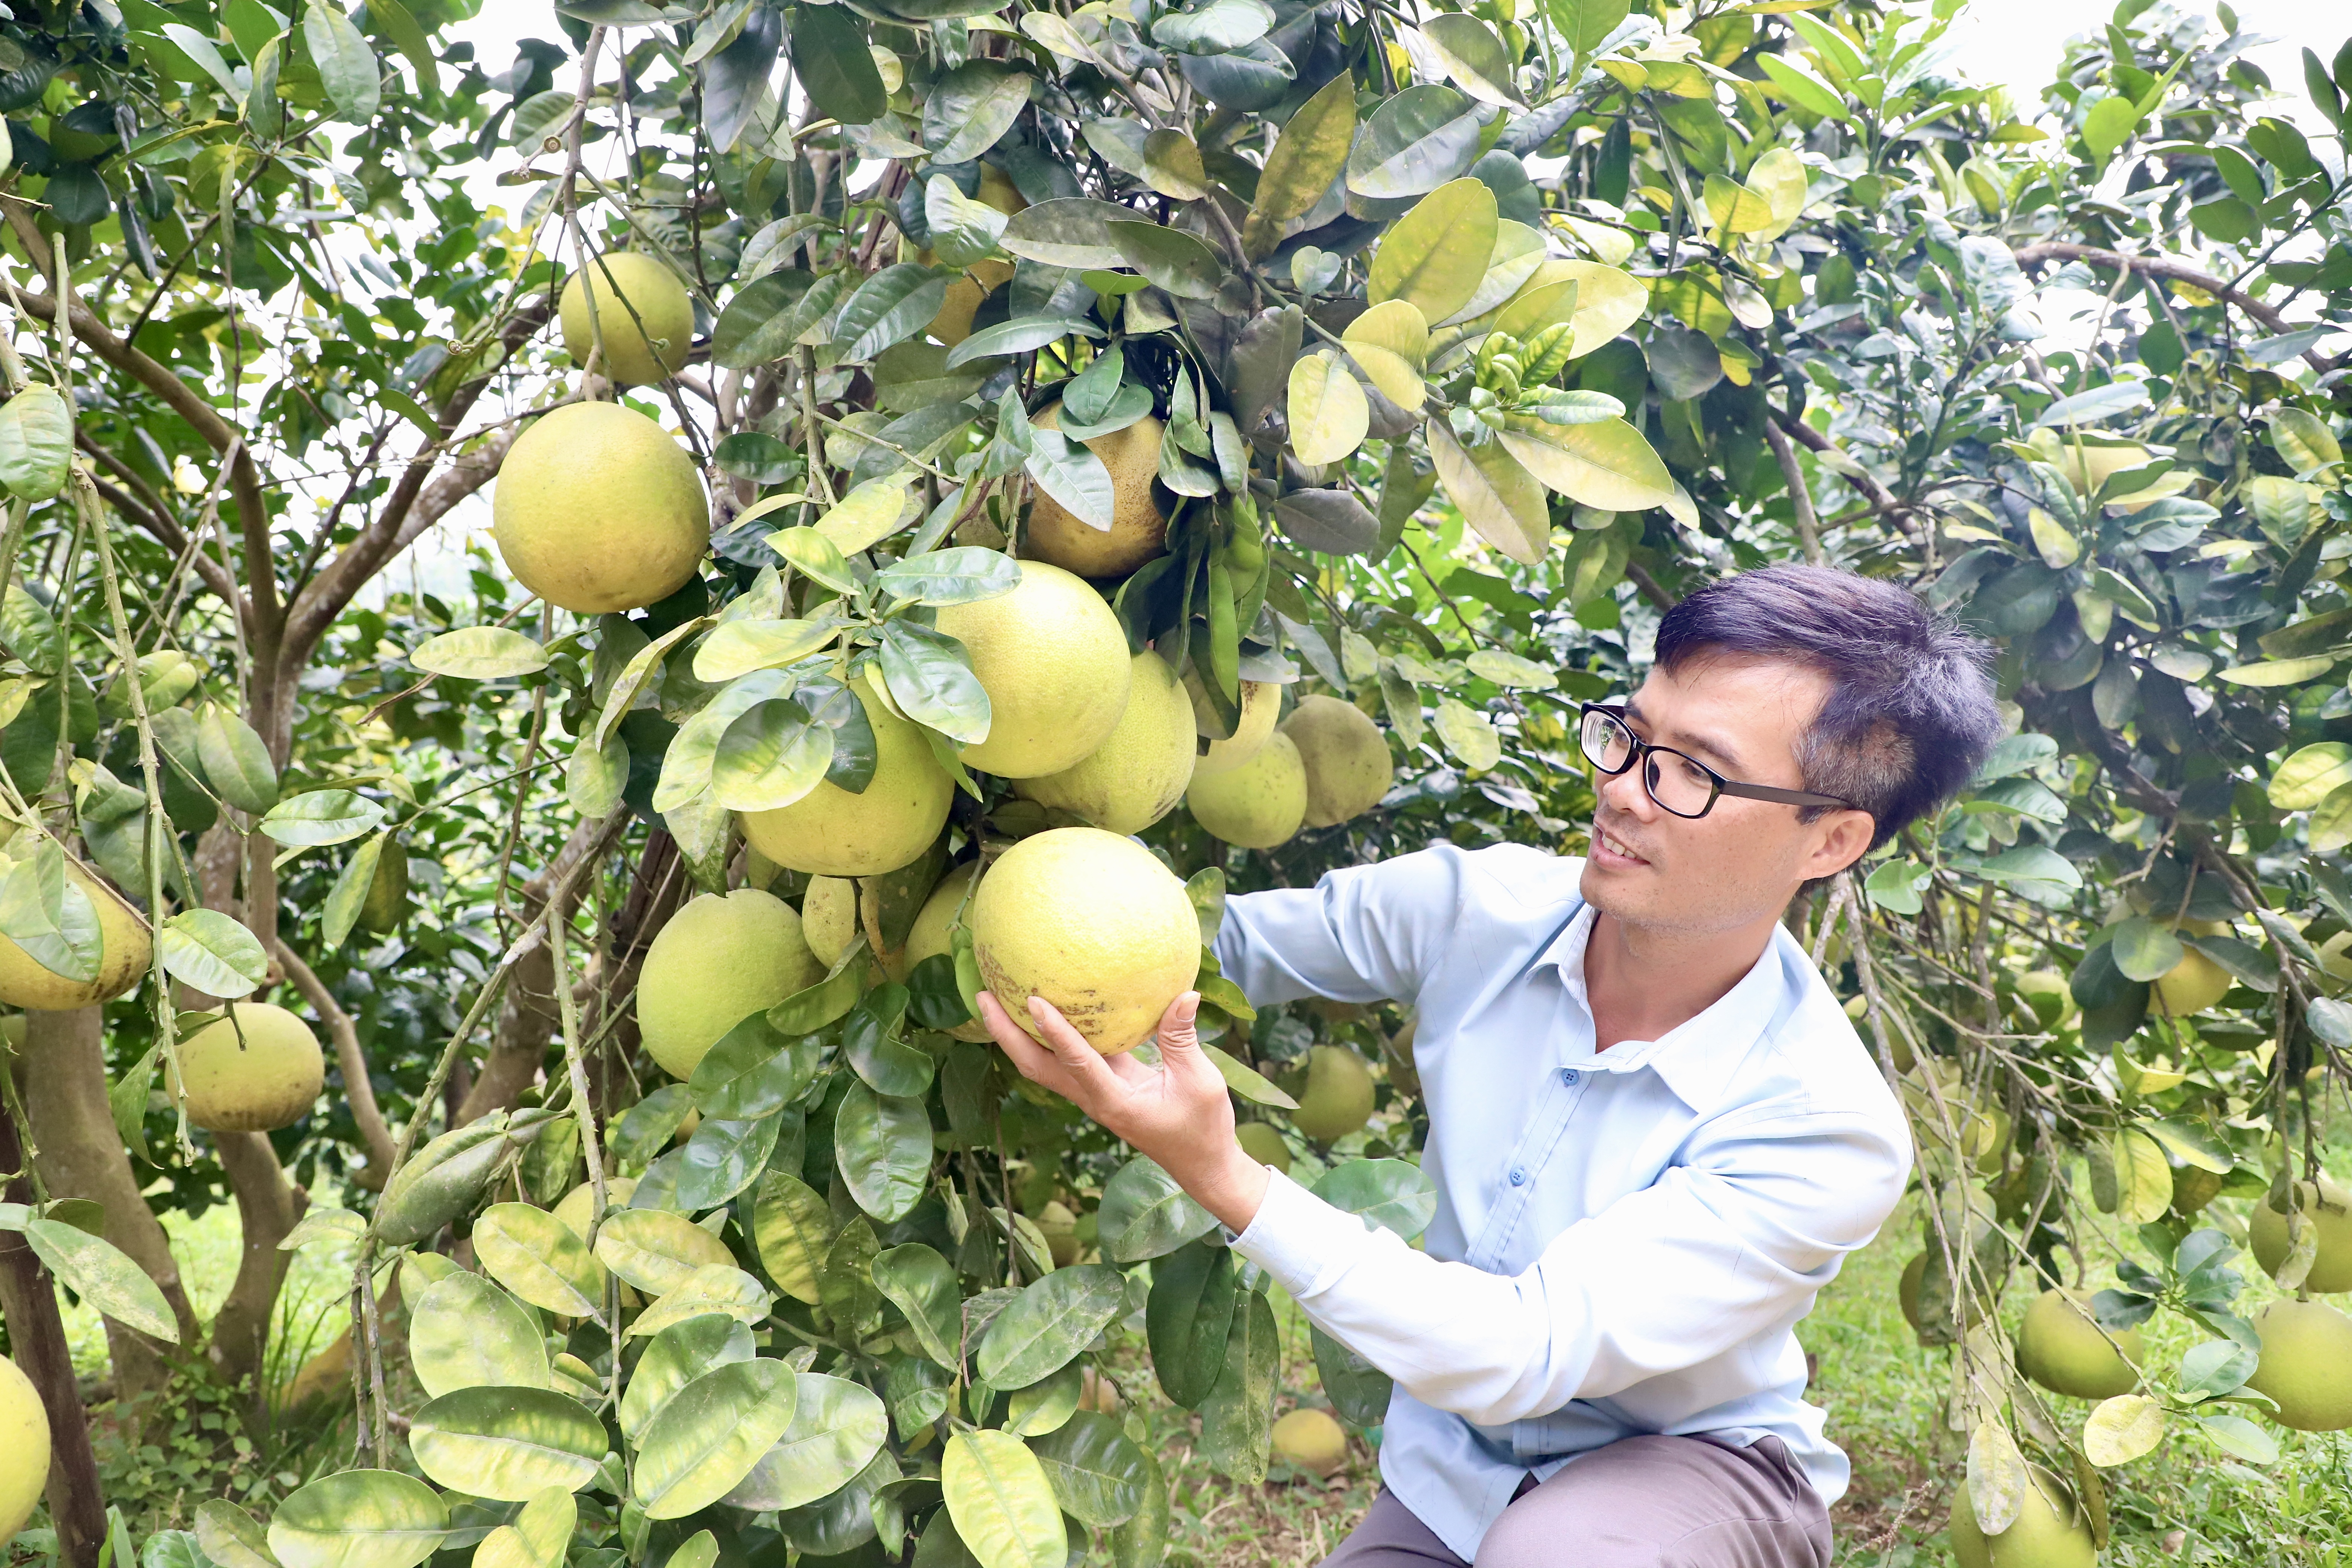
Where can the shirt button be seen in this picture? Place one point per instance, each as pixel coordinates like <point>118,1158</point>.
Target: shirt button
<point>1518,1175</point>
<point>1571,1077</point>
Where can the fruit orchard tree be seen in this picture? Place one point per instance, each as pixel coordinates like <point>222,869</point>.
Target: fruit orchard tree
<point>970,485</point>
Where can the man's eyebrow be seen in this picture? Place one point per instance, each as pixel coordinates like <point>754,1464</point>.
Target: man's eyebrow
<point>1696,744</point>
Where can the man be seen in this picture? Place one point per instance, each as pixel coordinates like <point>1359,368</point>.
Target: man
<point>1653,1132</point>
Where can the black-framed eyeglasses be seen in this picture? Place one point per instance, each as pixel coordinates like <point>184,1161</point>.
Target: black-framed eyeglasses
<point>1680,784</point>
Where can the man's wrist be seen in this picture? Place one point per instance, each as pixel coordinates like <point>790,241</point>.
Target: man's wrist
<point>1230,1185</point>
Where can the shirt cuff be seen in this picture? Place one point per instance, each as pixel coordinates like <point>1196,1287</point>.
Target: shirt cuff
<point>1295,1236</point>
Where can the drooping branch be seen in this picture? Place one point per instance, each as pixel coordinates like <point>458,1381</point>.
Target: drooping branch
<point>2176,271</point>
<point>156,520</point>
<point>358,1090</point>
<point>1809,527</point>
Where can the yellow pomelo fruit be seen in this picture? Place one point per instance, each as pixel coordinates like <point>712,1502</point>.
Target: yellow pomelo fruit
<point>2306,1364</point>
<point>1257,804</point>
<point>267,1080</point>
<point>2191,985</point>
<point>834,833</point>
<point>1339,1097</point>
<point>1311,1440</point>
<point>1059,1227</point>
<point>1346,757</point>
<point>982,277</point>
<point>719,959</point>
<point>1137,531</point>
<point>2049,1532</point>
<point>1093,923</point>
<point>2061,1348</point>
<point>598,508</point>
<point>580,1202</point>
<point>934,925</point>
<point>24,1450</point>
<point>1261,706</point>
<point>1138,772</point>
<point>2328,1208</point>
<point>2089,464</point>
<point>642,312</point>
<point>2047,993</point>
<point>123,955</point>
<point>829,918</point>
<point>1264,1143</point>
<point>1052,659</point>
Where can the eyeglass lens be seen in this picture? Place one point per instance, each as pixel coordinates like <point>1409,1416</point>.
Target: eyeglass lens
<point>1674,782</point>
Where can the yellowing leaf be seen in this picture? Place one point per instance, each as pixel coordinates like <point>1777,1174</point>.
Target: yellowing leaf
<point>866,515</point>
<point>1436,253</point>
<point>1390,341</point>
<point>2310,776</point>
<point>2143,1177</point>
<point>2060,549</point>
<point>1779,176</point>
<point>2279,671</point>
<point>1494,495</point>
<point>2331,822</point>
<point>1605,464</point>
<point>1328,413</point>
<point>2122,1429</point>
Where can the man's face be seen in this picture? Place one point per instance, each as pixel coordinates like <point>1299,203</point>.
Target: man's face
<point>1743,860</point>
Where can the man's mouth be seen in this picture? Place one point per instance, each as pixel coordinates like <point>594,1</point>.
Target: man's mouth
<point>1613,847</point>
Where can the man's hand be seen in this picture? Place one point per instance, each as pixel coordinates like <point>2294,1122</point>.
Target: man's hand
<point>1177,1112</point>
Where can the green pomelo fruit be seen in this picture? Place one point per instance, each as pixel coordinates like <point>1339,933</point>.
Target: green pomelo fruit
<point>1345,758</point>
<point>1091,922</point>
<point>642,309</point>
<point>1311,1440</point>
<point>2328,1208</point>
<point>834,833</point>
<point>24,1450</point>
<point>829,918</point>
<point>2046,993</point>
<point>2049,1532</point>
<point>1339,1097</point>
<point>1261,706</point>
<point>1908,1293</point>
<point>268,1080</point>
<point>2306,1364</point>
<point>1138,531</point>
<point>720,959</point>
<point>598,508</point>
<point>2060,1347</point>
<point>1059,1227</point>
<point>934,928</point>
<point>123,955</point>
<point>1258,804</point>
<point>1138,772</point>
<point>1264,1143</point>
<point>1053,659</point>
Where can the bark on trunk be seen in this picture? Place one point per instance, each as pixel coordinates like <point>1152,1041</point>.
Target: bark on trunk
<point>29,1301</point>
<point>79,1154</point>
<point>267,1205</point>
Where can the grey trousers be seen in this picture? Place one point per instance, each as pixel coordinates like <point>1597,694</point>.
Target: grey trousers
<point>1642,1502</point>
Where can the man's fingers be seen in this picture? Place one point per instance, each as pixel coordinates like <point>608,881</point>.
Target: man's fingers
<point>1068,1045</point>
<point>1177,1032</point>
<point>1013,1040</point>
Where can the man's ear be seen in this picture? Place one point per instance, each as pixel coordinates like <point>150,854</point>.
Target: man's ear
<point>1845,838</point>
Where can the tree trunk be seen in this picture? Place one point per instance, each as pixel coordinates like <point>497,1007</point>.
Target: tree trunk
<point>79,1154</point>
<point>267,1205</point>
<point>29,1301</point>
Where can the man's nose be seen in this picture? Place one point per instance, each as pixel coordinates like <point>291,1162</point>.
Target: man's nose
<point>1624,793</point>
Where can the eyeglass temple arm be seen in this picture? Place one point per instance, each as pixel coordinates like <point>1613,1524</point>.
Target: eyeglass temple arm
<point>1784,796</point>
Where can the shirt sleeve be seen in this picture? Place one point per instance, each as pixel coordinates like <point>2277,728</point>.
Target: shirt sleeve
<point>1362,934</point>
<point>1677,1274</point>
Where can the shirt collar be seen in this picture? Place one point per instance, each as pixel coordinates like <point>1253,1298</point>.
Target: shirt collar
<point>1695,1056</point>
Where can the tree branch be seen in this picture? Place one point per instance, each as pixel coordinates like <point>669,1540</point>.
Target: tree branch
<point>160,523</point>
<point>1809,526</point>
<point>2179,272</point>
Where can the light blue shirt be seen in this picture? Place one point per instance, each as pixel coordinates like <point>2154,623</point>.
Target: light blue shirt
<point>1625,1240</point>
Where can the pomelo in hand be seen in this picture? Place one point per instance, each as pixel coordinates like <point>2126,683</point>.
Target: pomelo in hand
<point>835,833</point>
<point>2051,1532</point>
<point>265,1080</point>
<point>123,955</point>
<point>2328,1208</point>
<point>24,1450</point>
<point>642,312</point>
<point>1092,922</point>
<point>1053,659</point>
<point>1138,772</point>
<point>1260,803</point>
<point>1345,758</point>
<point>720,959</point>
<point>1338,1096</point>
<point>2306,1364</point>
<point>1261,705</point>
<point>2060,1346</point>
<point>1137,531</point>
<point>1311,1440</point>
<point>598,508</point>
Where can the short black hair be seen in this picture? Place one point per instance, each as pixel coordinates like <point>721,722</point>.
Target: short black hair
<point>1910,712</point>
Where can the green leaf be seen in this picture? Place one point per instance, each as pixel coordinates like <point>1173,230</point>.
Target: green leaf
<point>815,557</point>
<point>1794,82</point>
<point>1494,495</point>
<point>929,677</point>
<point>1310,152</point>
<point>207,951</point>
<point>104,1275</point>
<point>321,816</point>
<point>1142,1541</point>
<point>229,1537</point>
<point>507,1444</point>
<point>656,1250</point>
<point>1586,23</point>
<point>752,1071</point>
<point>1095,1470</point>
<point>1186,1319</point>
<point>1074,476</point>
<point>35,442</point>
<point>1145,1215</point>
<point>2311,774</point>
<point>963,575</point>
<point>2144,951</point>
<point>347,67</point>
<point>1238,1420</point>
<point>723,1157</point>
<point>236,761</point>
<point>1416,141</point>
<point>768,316</point>
<point>466,1332</point>
<point>1215,27</point>
<point>1173,259</point>
<point>1246,1080</point>
<point>1394,1194</point>
<point>479,653</point>
<point>1330,416</point>
<point>866,515</point>
<point>2236,1435</point>
<point>52,917</point>
<point>1019,336</point>
<point>677,1355</point>
<point>970,110</point>
<point>1048,1323</point>
<point>715,1289</point>
<point>541,1259</point>
<point>349,896</point>
<point>2108,125</point>
<point>1003,1506</point>
<point>1469,735</point>
<point>833,66</point>
<point>2279,671</point>
<point>2305,441</point>
<point>1069,231</point>
<point>769,756</point>
<point>882,1144</point>
<point>918,1281</point>
<point>1359,1391</point>
<point>1474,57</point>
<point>736,648</point>
<point>2031,863</point>
<point>709,1435</point>
<point>837,1427</point>
<point>1436,255</point>
<point>359,1519</point>
<point>894,303</point>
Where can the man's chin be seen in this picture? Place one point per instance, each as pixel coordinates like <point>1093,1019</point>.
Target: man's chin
<point>1617,887</point>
